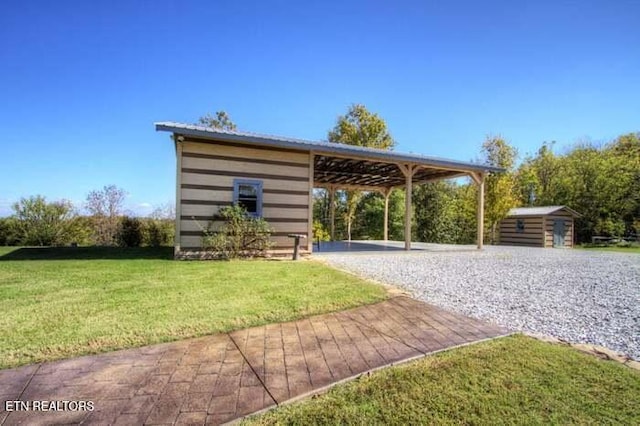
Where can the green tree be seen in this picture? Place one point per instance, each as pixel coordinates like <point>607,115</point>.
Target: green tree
<point>221,120</point>
<point>8,231</point>
<point>625,158</point>
<point>159,228</point>
<point>369,222</point>
<point>527,184</point>
<point>40,223</point>
<point>466,199</point>
<point>131,232</point>
<point>600,182</point>
<point>597,185</point>
<point>500,188</point>
<point>359,127</point>
<point>352,200</point>
<point>540,178</point>
<point>437,214</point>
<point>321,209</point>
<point>158,232</point>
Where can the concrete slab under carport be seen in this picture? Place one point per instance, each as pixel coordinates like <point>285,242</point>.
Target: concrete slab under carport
<point>380,246</point>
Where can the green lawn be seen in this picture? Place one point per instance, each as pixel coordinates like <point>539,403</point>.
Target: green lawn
<point>515,380</point>
<point>62,302</point>
<point>625,249</point>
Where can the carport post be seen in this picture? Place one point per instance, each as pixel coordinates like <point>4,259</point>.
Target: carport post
<point>386,193</point>
<point>408,170</point>
<point>312,158</point>
<point>478,178</point>
<point>332,212</point>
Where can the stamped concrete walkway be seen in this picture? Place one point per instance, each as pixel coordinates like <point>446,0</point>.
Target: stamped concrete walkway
<point>219,378</point>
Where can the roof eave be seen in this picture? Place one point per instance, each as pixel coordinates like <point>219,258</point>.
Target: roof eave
<point>551,212</point>
<point>325,148</point>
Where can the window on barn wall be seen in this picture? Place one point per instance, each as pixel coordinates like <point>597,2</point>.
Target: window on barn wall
<point>248,194</point>
<point>520,225</point>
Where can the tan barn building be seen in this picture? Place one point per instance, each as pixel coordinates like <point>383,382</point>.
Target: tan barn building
<point>550,226</point>
<point>273,177</point>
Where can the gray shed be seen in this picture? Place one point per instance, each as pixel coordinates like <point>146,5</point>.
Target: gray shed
<point>548,226</point>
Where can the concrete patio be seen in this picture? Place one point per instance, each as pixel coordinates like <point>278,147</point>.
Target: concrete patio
<point>369,246</point>
<point>219,378</point>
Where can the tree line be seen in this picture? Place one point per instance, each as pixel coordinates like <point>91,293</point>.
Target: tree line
<point>38,222</point>
<point>600,181</point>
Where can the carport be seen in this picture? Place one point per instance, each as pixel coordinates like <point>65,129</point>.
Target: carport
<point>367,169</point>
<point>274,177</point>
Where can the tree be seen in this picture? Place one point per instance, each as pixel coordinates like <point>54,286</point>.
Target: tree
<point>359,127</point>
<point>131,232</point>
<point>105,207</point>
<point>625,156</point>
<point>165,211</point>
<point>39,223</point>
<point>500,188</point>
<point>602,183</point>
<point>322,208</point>
<point>541,177</point>
<point>220,121</point>
<point>159,227</point>
<point>369,220</point>
<point>438,213</point>
<point>8,231</point>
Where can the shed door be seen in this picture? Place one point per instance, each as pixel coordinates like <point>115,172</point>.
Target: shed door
<point>558,233</point>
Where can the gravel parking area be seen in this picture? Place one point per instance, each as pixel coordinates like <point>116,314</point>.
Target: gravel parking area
<point>580,296</point>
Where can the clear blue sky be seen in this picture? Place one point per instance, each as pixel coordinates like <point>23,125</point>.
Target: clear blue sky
<point>81,82</point>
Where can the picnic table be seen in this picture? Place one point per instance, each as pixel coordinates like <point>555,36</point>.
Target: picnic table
<point>598,239</point>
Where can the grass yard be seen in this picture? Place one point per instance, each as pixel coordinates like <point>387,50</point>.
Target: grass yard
<point>62,302</point>
<point>621,249</point>
<point>516,380</point>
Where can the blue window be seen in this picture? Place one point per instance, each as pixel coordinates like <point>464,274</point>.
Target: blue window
<point>248,194</point>
<point>520,226</point>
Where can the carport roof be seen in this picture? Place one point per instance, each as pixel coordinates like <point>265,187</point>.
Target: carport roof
<point>339,164</point>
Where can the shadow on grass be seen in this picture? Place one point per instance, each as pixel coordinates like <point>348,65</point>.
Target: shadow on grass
<point>87,253</point>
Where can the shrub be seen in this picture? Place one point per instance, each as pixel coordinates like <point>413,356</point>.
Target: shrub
<point>320,233</point>
<point>240,236</point>
<point>158,232</point>
<point>8,231</point>
<point>130,232</point>
<point>42,223</point>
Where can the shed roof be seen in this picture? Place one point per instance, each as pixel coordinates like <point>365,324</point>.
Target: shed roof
<point>339,164</point>
<point>540,211</point>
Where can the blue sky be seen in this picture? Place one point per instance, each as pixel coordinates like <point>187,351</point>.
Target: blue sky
<point>82,82</point>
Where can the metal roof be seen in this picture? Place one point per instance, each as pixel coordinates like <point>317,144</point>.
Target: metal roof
<point>540,211</point>
<point>320,147</point>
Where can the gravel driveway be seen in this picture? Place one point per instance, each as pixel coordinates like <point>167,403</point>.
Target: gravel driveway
<point>580,296</point>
